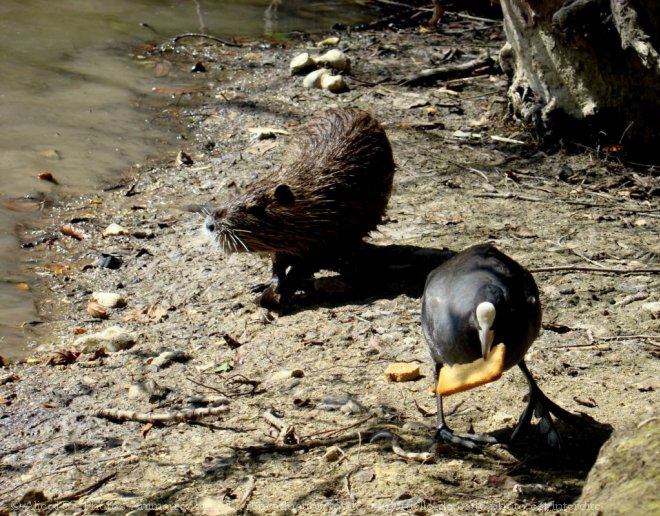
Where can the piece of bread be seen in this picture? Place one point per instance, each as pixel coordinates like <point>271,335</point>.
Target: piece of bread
<point>402,372</point>
<point>463,377</point>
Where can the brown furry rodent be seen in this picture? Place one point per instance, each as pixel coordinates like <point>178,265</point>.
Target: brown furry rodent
<point>330,192</point>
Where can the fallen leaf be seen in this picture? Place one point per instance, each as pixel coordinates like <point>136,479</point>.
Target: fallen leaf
<point>523,232</point>
<point>162,68</point>
<point>589,402</point>
<point>183,159</point>
<point>423,411</point>
<point>97,311</point>
<point>47,176</point>
<point>72,231</point>
<point>22,286</point>
<point>224,367</point>
<point>62,357</point>
<point>231,341</point>
<point>145,429</point>
<point>50,404</point>
<point>146,313</point>
<point>55,268</point>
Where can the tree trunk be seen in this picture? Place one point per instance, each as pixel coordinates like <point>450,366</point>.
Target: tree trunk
<point>586,70</point>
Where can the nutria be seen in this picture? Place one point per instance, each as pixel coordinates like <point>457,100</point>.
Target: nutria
<point>330,192</point>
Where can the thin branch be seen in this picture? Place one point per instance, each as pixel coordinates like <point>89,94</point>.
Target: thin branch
<point>509,195</point>
<point>245,499</point>
<point>337,430</point>
<point>205,36</point>
<point>147,417</point>
<point>448,71</point>
<point>580,268</point>
<point>82,492</point>
<point>306,445</point>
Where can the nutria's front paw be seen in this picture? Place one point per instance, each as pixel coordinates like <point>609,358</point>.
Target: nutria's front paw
<point>271,298</point>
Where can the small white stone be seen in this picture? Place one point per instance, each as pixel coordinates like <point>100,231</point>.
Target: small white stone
<point>653,307</point>
<point>109,299</point>
<point>335,59</point>
<point>334,83</point>
<point>333,454</point>
<point>313,79</point>
<point>301,63</point>
<point>138,390</point>
<point>114,230</point>
<point>282,375</point>
<point>214,507</point>
<point>328,42</point>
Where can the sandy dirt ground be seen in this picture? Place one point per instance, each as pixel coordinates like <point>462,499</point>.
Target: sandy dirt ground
<point>201,341</point>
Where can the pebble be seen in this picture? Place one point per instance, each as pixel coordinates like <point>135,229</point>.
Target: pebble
<point>109,299</point>
<point>334,83</point>
<point>114,230</point>
<point>333,454</point>
<point>328,42</point>
<point>213,507</point>
<point>313,79</point>
<point>166,358</point>
<point>301,63</point>
<point>112,339</point>
<point>334,402</point>
<point>652,307</point>
<point>352,407</point>
<point>335,59</point>
<point>286,374</point>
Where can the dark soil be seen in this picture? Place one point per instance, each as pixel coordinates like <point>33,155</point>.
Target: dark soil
<point>454,186</point>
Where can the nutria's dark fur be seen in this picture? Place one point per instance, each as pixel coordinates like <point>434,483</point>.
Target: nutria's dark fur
<point>330,192</point>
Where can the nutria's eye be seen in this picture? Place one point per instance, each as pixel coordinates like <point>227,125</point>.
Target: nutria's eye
<point>284,195</point>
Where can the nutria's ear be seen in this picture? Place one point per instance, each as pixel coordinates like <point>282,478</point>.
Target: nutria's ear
<point>284,195</point>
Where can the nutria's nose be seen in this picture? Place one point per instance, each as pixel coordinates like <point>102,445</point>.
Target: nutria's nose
<point>210,226</point>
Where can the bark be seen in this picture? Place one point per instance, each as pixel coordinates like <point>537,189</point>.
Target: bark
<point>585,70</point>
<point>624,479</point>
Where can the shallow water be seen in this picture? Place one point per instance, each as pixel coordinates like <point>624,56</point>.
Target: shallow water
<point>74,103</point>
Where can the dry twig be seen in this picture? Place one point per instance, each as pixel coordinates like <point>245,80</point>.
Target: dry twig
<point>580,268</point>
<point>448,71</point>
<point>182,415</point>
<point>245,499</point>
<point>305,445</point>
<point>84,491</point>
<point>205,36</point>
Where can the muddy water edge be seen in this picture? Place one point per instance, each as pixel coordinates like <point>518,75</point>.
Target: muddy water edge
<point>77,102</point>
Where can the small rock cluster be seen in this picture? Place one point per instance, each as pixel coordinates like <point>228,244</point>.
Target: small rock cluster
<point>332,60</point>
